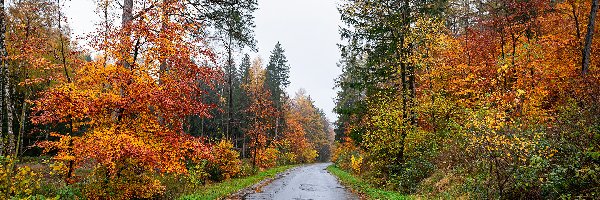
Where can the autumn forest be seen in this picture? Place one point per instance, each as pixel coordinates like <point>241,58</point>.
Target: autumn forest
<point>436,99</point>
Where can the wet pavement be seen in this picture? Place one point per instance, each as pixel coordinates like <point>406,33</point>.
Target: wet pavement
<point>310,182</point>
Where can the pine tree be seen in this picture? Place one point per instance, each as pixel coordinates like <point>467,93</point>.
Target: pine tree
<point>278,72</point>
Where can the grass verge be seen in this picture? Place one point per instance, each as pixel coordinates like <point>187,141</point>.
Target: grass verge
<point>364,189</point>
<point>225,188</point>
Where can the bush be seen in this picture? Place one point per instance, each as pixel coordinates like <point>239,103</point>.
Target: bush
<point>130,181</point>
<point>225,162</point>
<point>286,158</point>
<point>266,158</point>
<point>356,163</point>
<point>343,153</point>
<point>247,169</point>
<point>16,182</point>
<point>198,173</point>
<point>410,175</point>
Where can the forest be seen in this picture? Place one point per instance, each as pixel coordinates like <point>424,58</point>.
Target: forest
<point>437,99</point>
<point>477,99</point>
<point>167,101</point>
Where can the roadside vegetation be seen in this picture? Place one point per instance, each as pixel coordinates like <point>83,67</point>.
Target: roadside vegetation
<point>495,99</point>
<point>363,188</point>
<point>228,187</point>
<point>162,102</point>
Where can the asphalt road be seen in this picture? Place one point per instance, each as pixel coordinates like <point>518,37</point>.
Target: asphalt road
<point>312,182</point>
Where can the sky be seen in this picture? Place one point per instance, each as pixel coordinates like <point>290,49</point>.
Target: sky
<point>306,29</point>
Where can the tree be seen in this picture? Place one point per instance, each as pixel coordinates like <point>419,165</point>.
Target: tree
<point>244,100</point>
<point>277,80</point>
<point>259,114</point>
<point>128,117</point>
<point>232,22</point>
<point>314,123</point>
<point>378,32</point>
<point>5,83</point>
<point>38,56</point>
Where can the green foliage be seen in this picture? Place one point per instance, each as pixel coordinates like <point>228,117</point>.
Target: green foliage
<point>133,181</point>
<point>278,74</point>
<point>16,181</point>
<point>227,187</point>
<point>69,192</point>
<point>343,153</point>
<point>198,173</point>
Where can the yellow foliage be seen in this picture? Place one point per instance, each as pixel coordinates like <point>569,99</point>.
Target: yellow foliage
<point>266,158</point>
<point>226,159</point>
<point>16,182</point>
<point>356,162</point>
<point>343,154</point>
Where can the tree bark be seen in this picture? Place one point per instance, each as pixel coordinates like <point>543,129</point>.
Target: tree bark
<point>62,45</point>
<point>230,86</point>
<point>2,54</point>
<point>576,19</point>
<point>7,101</point>
<point>585,60</point>
<point>126,18</point>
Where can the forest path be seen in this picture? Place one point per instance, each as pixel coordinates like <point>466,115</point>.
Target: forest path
<point>312,182</point>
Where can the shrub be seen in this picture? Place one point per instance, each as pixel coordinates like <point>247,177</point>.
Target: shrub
<point>307,155</point>
<point>286,158</point>
<point>225,163</point>
<point>198,174</point>
<point>356,163</point>
<point>247,169</point>
<point>343,153</point>
<point>16,182</point>
<point>130,181</point>
<point>266,158</point>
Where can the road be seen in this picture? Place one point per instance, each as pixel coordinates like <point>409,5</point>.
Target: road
<point>312,182</point>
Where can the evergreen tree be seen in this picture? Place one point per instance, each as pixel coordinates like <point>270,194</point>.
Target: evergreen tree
<point>277,79</point>
<point>243,99</point>
<point>278,73</point>
<point>232,22</point>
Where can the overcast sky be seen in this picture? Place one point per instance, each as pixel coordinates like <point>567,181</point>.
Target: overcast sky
<point>307,30</point>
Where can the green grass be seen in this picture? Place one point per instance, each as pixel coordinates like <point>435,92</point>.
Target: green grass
<point>225,188</point>
<point>362,187</point>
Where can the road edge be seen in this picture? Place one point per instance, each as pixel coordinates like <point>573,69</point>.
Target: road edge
<point>240,194</point>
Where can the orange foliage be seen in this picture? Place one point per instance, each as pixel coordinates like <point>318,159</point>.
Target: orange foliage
<point>226,159</point>
<point>128,118</point>
<point>260,111</point>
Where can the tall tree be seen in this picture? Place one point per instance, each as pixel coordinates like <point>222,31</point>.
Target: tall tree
<point>277,79</point>
<point>259,113</point>
<point>381,30</point>
<point>4,74</point>
<point>243,102</point>
<point>232,22</point>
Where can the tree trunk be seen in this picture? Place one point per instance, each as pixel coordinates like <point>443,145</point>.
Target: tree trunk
<point>126,18</point>
<point>62,45</point>
<point>127,12</point>
<point>585,60</point>
<point>576,19</point>
<point>6,76</point>
<point>230,88</point>
<point>2,75</point>
<point>21,127</point>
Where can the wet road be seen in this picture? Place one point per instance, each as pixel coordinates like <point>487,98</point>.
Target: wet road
<point>303,183</point>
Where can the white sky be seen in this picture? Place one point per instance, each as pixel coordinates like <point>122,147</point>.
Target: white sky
<point>307,30</point>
